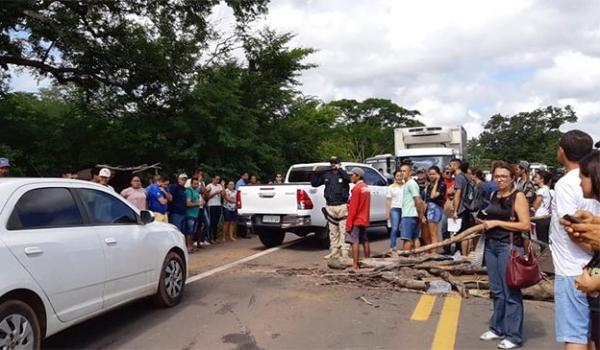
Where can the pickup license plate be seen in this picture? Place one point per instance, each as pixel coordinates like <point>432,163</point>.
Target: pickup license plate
<point>271,219</point>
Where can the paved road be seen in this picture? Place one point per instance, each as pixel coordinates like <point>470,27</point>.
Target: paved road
<point>280,300</point>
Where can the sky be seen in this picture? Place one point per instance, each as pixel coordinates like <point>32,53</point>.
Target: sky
<point>457,62</point>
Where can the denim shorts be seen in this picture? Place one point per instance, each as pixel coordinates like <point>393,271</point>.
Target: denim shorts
<point>571,312</point>
<point>410,228</point>
<point>434,213</point>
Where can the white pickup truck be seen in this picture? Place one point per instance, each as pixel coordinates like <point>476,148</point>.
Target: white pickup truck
<point>295,206</point>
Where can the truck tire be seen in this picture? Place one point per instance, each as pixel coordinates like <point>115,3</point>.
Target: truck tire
<point>271,238</point>
<point>322,238</point>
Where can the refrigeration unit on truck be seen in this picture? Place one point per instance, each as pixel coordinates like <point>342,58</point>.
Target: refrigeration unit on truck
<point>425,146</point>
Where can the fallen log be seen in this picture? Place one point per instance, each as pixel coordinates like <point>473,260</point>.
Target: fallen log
<point>387,264</point>
<point>406,283</point>
<point>466,234</point>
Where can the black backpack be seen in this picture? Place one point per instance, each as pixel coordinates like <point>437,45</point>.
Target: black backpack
<point>472,200</point>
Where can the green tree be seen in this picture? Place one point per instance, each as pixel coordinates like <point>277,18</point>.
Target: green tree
<point>130,53</point>
<point>531,136</point>
<point>366,128</point>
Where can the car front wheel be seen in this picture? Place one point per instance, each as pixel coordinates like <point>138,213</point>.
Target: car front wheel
<point>172,281</point>
<point>19,326</point>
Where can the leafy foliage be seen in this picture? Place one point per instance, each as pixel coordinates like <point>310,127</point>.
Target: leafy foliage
<point>531,136</point>
<point>132,53</point>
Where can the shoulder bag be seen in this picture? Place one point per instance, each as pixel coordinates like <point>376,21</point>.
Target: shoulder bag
<point>522,271</point>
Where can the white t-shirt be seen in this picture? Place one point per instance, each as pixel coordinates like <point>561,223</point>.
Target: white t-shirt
<point>216,200</point>
<point>544,208</point>
<point>567,256</point>
<point>396,193</point>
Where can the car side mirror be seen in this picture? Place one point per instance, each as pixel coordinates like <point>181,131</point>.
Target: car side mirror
<point>146,216</point>
<point>390,181</point>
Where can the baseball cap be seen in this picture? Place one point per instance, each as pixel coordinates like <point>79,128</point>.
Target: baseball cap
<point>421,170</point>
<point>104,172</point>
<point>334,160</point>
<point>182,176</point>
<point>358,171</point>
<point>524,164</point>
<point>4,163</point>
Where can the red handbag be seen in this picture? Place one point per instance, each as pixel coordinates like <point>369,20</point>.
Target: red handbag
<point>522,271</point>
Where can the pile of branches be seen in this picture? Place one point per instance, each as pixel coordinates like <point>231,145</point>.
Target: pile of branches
<point>419,268</point>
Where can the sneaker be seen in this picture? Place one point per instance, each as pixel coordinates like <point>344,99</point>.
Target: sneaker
<point>206,243</point>
<point>489,335</point>
<point>507,344</point>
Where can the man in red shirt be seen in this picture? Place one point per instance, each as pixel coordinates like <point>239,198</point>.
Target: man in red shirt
<point>358,219</point>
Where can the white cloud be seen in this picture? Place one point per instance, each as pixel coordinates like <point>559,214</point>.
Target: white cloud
<point>458,62</point>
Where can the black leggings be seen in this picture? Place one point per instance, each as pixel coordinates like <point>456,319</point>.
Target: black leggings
<point>214,212</point>
<point>541,230</point>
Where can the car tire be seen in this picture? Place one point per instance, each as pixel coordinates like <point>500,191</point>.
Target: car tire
<point>271,238</point>
<point>18,316</point>
<point>172,281</point>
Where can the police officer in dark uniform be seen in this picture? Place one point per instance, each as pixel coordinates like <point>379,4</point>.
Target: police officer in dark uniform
<point>337,191</point>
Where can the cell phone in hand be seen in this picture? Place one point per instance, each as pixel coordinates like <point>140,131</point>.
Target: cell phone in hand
<point>571,219</point>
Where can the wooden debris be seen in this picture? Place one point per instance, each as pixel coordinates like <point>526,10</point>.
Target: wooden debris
<point>416,269</point>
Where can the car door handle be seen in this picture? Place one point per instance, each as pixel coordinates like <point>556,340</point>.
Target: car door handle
<point>110,241</point>
<point>33,251</point>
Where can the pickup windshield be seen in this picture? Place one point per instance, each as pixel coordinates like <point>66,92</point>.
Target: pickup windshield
<point>302,174</point>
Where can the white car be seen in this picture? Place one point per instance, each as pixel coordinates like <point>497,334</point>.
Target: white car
<point>70,250</point>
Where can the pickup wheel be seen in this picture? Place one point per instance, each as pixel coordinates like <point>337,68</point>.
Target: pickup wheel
<point>322,238</point>
<point>271,238</point>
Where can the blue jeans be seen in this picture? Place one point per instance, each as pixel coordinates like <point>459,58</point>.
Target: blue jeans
<point>507,317</point>
<point>203,220</point>
<point>214,213</point>
<point>395,218</point>
<point>178,220</point>
<point>190,225</point>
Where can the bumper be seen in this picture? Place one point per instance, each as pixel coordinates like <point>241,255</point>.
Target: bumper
<point>289,223</point>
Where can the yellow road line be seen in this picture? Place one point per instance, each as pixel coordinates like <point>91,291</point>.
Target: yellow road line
<point>445,333</point>
<point>423,308</point>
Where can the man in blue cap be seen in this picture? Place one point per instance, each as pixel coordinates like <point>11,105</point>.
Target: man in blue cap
<point>4,167</point>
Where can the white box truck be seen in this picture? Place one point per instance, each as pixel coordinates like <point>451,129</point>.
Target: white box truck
<point>425,146</point>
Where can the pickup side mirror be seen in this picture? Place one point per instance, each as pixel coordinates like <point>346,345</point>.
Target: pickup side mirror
<point>146,217</point>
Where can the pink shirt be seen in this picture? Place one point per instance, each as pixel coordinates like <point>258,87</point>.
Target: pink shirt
<point>137,197</point>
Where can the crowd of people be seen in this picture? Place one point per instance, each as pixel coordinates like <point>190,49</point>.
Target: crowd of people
<point>205,213</point>
<point>565,207</point>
